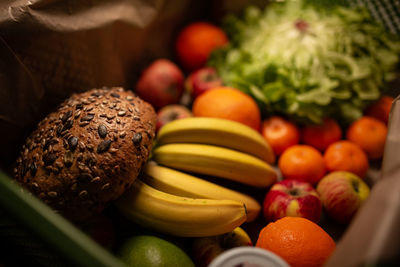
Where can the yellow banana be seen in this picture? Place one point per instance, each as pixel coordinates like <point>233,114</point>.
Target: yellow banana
<point>216,161</point>
<point>216,131</point>
<point>180,216</point>
<point>185,185</point>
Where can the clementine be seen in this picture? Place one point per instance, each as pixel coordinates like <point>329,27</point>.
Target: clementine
<point>280,133</point>
<point>195,43</point>
<point>228,103</point>
<point>370,134</point>
<point>297,240</point>
<point>381,108</point>
<point>322,135</point>
<point>345,155</point>
<point>302,162</point>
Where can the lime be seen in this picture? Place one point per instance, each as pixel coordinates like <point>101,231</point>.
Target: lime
<point>152,251</point>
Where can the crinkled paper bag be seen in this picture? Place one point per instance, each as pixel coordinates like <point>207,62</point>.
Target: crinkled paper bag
<point>50,49</point>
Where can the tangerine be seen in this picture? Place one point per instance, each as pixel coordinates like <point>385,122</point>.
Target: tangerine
<point>302,162</point>
<point>322,135</point>
<point>280,133</point>
<point>297,240</point>
<point>381,108</point>
<point>228,103</point>
<point>370,134</point>
<point>345,155</point>
<point>195,43</point>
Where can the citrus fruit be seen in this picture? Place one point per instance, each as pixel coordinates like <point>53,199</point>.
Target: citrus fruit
<point>280,133</point>
<point>228,103</point>
<point>195,43</point>
<point>297,240</point>
<point>381,108</point>
<point>322,135</point>
<point>370,134</point>
<point>345,155</point>
<point>152,251</point>
<point>302,162</point>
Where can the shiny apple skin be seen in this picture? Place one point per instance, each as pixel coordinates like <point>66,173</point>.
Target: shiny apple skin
<point>292,198</point>
<point>342,194</point>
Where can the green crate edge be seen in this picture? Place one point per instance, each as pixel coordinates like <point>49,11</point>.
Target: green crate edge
<point>51,227</point>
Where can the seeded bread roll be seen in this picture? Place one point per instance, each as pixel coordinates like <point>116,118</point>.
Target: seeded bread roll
<point>88,152</point>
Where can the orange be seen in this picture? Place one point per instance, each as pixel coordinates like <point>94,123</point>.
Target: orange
<point>322,135</point>
<point>297,240</point>
<point>195,43</point>
<point>381,108</point>
<point>302,162</point>
<point>370,134</point>
<point>345,155</point>
<point>228,103</point>
<point>280,133</point>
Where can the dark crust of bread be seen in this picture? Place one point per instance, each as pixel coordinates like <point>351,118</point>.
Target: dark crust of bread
<point>88,152</point>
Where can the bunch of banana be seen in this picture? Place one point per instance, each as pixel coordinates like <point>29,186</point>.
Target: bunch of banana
<point>176,203</point>
<point>216,147</point>
<point>185,185</point>
<point>219,132</point>
<point>180,216</point>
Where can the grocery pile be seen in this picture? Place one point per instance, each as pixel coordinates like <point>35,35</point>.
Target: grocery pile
<point>279,130</point>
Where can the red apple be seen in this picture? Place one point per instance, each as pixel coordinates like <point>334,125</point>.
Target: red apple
<point>342,194</point>
<point>161,84</point>
<point>205,249</point>
<point>201,80</point>
<point>170,113</point>
<point>292,198</point>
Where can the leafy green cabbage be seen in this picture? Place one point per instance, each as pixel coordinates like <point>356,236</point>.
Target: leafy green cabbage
<point>308,63</point>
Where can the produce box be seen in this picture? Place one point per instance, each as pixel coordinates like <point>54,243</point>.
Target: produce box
<point>52,49</point>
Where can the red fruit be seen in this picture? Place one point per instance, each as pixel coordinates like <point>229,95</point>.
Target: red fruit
<point>381,108</point>
<point>300,242</point>
<point>161,84</point>
<point>280,133</point>
<point>170,113</point>
<point>370,134</point>
<point>228,103</point>
<point>303,163</point>
<point>321,136</point>
<point>345,155</point>
<point>195,43</point>
<point>292,198</point>
<point>342,194</point>
<point>202,80</point>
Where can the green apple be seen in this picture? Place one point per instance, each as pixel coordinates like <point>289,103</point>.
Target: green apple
<point>152,251</point>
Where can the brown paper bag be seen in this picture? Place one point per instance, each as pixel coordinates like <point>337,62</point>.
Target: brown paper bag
<point>373,238</point>
<point>50,49</point>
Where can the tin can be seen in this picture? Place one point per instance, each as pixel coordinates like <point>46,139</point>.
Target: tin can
<point>248,257</point>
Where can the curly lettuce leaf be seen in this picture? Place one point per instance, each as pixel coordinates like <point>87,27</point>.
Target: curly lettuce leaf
<point>308,63</point>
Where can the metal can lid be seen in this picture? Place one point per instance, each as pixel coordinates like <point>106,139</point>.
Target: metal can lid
<point>248,257</point>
